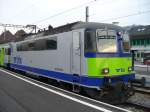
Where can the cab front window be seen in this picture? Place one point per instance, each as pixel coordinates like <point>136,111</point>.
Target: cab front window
<point>106,40</point>
<point>90,41</point>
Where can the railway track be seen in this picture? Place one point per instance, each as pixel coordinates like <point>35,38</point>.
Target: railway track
<point>142,90</point>
<point>135,107</point>
<point>140,106</point>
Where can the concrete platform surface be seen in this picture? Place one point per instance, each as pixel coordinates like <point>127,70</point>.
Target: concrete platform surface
<point>20,94</point>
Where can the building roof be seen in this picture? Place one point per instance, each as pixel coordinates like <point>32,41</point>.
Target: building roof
<point>140,31</point>
<point>6,36</point>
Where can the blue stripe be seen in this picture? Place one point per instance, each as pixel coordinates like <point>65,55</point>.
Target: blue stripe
<point>97,54</point>
<point>83,80</point>
<point>61,76</point>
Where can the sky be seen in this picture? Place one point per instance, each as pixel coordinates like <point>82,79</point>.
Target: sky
<point>59,12</point>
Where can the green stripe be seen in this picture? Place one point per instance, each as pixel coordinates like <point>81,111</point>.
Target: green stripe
<point>95,66</point>
<point>2,53</point>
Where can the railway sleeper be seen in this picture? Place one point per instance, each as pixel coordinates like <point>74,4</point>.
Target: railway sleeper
<point>140,82</point>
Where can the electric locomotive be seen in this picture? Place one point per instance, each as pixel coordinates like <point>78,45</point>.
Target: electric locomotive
<point>91,57</point>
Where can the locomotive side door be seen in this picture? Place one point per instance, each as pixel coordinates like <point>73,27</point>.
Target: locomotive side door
<point>76,53</point>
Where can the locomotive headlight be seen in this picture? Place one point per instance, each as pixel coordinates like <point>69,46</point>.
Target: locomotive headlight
<point>105,70</point>
<point>130,69</point>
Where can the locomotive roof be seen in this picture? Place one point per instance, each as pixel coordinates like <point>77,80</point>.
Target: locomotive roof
<point>78,25</point>
<point>96,25</point>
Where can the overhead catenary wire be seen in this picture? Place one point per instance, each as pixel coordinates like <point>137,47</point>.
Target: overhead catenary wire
<point>88,3</point>
<point>68,10</point>
<point>60,13</point>
<point>24,9</point>
<point>127,8</point>
<point>126,16</point>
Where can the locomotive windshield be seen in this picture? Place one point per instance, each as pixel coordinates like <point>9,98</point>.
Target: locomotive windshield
<point>106,40</point>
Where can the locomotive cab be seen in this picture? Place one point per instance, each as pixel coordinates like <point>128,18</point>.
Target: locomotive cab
<point>109,59</point>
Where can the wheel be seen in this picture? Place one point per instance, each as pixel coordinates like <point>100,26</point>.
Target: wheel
<point>93,93</point>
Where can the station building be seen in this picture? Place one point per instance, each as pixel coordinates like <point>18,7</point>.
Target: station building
<point>140,41</point>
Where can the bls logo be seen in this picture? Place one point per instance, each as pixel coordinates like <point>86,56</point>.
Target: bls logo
<point>17,60</point>
<point>120,70</point>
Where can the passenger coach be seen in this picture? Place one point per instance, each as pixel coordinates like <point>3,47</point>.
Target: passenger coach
<point>5,55</point>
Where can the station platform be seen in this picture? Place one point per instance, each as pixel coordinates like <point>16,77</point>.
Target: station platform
<point>143,71</point>
<point>22,94</point>
<point>147,78</point>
